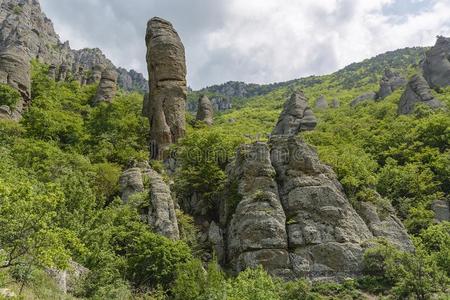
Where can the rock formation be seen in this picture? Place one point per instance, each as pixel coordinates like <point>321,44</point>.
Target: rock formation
<point>219,104</point>
<point>321,102</point>
<point>205,112</point>
<point>335,103</point>
<point>158,210</point>
<point>441,209</point>
<point>390,82</point>
<point>24,25</point>
<point>167,85</point>
<point>417,91</point>
<point>107,88</point>
<point>436,66</point>
<point>297,116</point>
<point>15,71</point>
<point>363,98</point>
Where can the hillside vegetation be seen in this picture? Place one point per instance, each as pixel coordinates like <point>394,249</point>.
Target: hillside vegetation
<point>59,190</point>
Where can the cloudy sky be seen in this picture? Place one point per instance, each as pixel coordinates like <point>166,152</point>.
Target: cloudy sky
<point>258,41</point>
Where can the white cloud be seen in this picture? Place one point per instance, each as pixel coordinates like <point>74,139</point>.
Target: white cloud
<point>253,40</point>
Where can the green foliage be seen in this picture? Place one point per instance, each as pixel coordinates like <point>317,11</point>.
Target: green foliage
<point>8,96</point>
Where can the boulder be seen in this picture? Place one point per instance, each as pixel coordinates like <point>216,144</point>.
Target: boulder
<point>205,112</point>
<point>321,102</point>
<point>363,98</point>
<point>107,87</point>
<point>296,117</point>
<point>436,66</point>
<point>390,82</point>
<point>383,222</point>
<point>167,84</point>
<point>335,103</point>
<point>159,208</point>
<point>417,91</point>
<point>69,280</point>
<point>441,209</point>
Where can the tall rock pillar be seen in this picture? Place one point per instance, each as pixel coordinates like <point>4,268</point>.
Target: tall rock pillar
<point>167,83</point>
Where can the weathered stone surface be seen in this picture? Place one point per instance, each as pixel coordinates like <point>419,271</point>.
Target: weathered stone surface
<point>215,237</point>
<point>390,82</point>
<point>363,98</point>
<point>107,87</point>
<point>219,104</point>
<point>335,103</point>
<point>24,25</point>
<point>205,112</point>
<point>436,66</point>
<point>167,84</point>
<point>96,74</point>
<point>321,102</point>
<point>159,212</point>
<point>68,280</point>
<point>417,91</point>
<point>256,233</point>
<point>441,209</point>
<point>383,222</point>
<point>15,71</point>
<point>297,116</point>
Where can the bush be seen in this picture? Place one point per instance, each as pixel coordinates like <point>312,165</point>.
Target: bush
<point>9,96</point>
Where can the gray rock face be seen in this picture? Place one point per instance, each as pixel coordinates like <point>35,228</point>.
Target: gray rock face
<point>167,84</point>
<point>436,66</point>
<point>219,104</point>
<point>390,82</point>
<point>321,102</point>
<point>441,209</point>
<point>68,280</point>
<point>335,103</point>
<point>107,88</point>
<point>417,91</point>
<point>15,71</point>
<point>159,211</point>
<point>24,25</point>
<point>363,98</point>
<point>257,233</point>
<point>289,214</point>
<point>205,112</point>
<point>385,223</point>
<point>297,116</point>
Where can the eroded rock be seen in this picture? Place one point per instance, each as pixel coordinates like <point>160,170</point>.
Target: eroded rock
<point>321,102</point>
<point>441,209</point>
<point>417,91</point>
<point>167,84</point>
<point>107,87</point>
<point>297,116</point>
<point>370,96</point>
<point>158,209</point>
<point>205,112</point>
<point>436,66</point>
<point>390,82</point>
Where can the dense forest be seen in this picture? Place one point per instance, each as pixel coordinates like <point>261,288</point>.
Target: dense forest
<point>60,202</point>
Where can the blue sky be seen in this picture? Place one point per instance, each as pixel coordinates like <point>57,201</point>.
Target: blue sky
<point>253,40</point>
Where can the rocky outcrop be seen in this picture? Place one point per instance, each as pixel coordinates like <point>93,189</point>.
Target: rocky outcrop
<point>219,104</point>
<point>70,279</point>
<point>167,84</point>
<point>390,82</point>
<point>441,209</point>
<point>417,91</point>
<point>157,208</point>
<point>335,103</point>
<point>205,112</point>
<point>436,66</point>
<point>383,222</point>
<point>287,211</point>
<point>363,98</point>
<point>24,25</point>
<point>297,116</point>
<point>321,102</point>
<point>15,71</point>
<point>256,233</point>
<point>107,88</point>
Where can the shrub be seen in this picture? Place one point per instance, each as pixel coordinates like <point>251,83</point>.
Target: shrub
<point>9,96</point>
